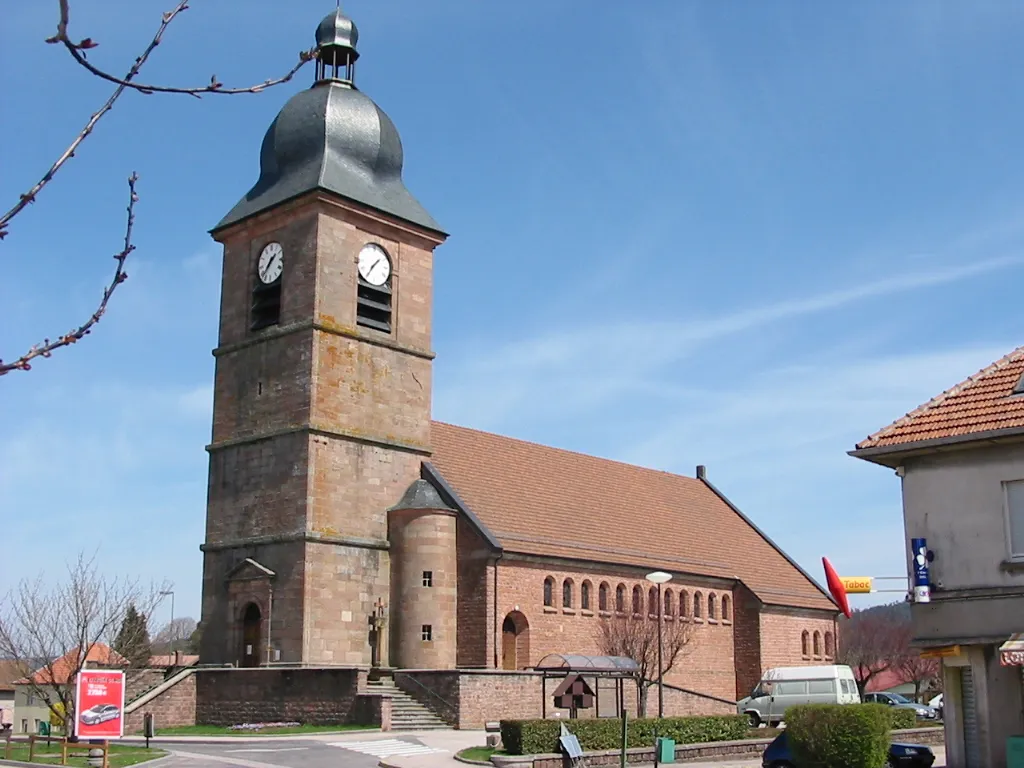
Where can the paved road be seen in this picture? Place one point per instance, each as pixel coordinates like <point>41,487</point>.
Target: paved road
<point>350,751</point>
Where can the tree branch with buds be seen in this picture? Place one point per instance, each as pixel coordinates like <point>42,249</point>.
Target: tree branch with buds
<point>125,83</point>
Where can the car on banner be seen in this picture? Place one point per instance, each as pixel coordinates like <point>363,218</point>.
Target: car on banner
<point>100,713</point>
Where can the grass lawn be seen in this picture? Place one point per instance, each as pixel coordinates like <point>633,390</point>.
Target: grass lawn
<point>216,730</point>
<point>483,754</point>
<point>120,754</point>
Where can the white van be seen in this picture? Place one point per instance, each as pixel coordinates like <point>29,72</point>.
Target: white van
<point>783,687</point>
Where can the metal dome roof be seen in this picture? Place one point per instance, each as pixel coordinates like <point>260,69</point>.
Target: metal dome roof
<point>338,31</point>
<point>332,137</point>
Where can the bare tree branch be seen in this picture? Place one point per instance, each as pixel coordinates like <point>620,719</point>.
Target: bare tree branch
<point>46,348</point>
<point>215,86</point>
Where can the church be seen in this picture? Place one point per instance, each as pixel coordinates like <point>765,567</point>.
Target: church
<point>346,529</point>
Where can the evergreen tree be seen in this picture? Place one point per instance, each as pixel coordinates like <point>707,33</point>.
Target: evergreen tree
<point>132,640</point>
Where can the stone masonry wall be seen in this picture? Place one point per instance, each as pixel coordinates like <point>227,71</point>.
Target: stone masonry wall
<point>747,641</point>
<point>174,707</point>
<point>474,598</point>
<point>228,697</point>
<point>707,663</point>
<point>781,637</point>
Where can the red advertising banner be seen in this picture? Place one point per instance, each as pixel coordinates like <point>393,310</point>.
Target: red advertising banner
<point>99,704</point>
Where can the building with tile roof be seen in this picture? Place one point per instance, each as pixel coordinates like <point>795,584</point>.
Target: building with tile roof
<point>960,457</point>
<point>347,528</point>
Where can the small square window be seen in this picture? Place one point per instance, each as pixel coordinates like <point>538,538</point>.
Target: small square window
<point>1015,518</point>
<point>428,578</point>
<point>426,633</point>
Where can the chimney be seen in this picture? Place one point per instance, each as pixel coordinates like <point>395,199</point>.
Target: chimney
<point>701,472</point>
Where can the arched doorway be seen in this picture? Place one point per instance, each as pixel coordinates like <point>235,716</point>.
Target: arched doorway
<point>252,620</point>
<point>515,641</point>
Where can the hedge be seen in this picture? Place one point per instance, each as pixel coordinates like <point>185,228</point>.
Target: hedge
<point>839,735</point>
<point>532,737</point>
<point>902,718</point>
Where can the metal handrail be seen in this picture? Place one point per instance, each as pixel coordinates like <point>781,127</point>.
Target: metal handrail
<point>421,685</point>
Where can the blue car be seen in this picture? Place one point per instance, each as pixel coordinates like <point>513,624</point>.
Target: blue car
<point>777,755</point>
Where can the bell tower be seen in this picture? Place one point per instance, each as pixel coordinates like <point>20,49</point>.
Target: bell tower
<point>322,388</point>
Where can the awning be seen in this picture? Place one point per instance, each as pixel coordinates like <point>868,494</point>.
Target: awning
<point>1011,653</point>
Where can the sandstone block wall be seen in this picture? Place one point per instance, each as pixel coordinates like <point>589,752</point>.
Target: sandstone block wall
<point>707,662</point>
<point>782,632</point>
<point>174,707</point>
<point>228,697</point>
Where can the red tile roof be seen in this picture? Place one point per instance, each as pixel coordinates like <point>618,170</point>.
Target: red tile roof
<point>885,680</point>
<point>61,670</point>
<point>983,403</point>
<point>545,501</point>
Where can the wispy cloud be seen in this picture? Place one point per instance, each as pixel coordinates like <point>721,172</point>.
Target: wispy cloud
<point>593,363</point>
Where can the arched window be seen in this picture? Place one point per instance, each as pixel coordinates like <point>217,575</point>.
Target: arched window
<point>652,601</point>
<point>726,608</point>
<point>638,600</point>
<point>585,595</point>
<point>805,643</point>
<point>712,606</point>
<point>830,647</point>
<point>670,603</point>
<point>620,598</point>
<point>684,605</point>
<point>567,593</point>
<point>817,643</point>
<point>698,605</point>
<point>602,596</point>
<point>549,592</point>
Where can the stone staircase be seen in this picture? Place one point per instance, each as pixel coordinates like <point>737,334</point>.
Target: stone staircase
<point>407,714</point>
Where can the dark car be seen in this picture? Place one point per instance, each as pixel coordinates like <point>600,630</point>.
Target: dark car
<point>777,755</point>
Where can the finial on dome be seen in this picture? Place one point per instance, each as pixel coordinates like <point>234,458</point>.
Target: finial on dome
<point>336,38</point>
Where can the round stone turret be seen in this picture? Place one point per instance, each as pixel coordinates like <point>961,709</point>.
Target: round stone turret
<point>424,572</point>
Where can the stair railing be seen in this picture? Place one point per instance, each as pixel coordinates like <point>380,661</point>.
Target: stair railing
<point>450,707</point>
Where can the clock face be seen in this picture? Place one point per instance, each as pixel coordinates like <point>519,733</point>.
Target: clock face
<point>271,263</point>
<point>374,264</point>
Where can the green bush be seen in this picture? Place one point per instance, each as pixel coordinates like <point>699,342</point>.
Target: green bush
<point>532,737</point>
<point>839,735</point>
<point>902,718</point>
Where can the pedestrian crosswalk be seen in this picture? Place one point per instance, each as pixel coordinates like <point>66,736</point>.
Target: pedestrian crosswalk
<point>385,747</point>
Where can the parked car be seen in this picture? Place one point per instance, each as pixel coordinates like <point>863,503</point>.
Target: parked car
<point>784,687</point>
<point>936,704</point>
<point>777,755</point>
<point>923,711</point>
<point>101,713</point>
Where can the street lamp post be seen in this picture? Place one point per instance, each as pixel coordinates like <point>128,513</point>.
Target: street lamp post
<point>659,578</point>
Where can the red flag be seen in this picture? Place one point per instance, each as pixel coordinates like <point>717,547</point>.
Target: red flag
<point>835,586</point>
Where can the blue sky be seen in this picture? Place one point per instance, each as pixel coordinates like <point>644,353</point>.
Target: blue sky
<point>744,235</point>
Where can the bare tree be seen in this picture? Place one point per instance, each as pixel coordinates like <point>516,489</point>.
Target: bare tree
<point>912,666</point>
<point>52,631</point>
<point>128,82</point>
<point>872,642</point>
<point>175,635</point>
<point>636,637</point>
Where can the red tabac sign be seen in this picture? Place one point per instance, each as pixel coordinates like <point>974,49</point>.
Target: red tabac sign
<point>99,704</point>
